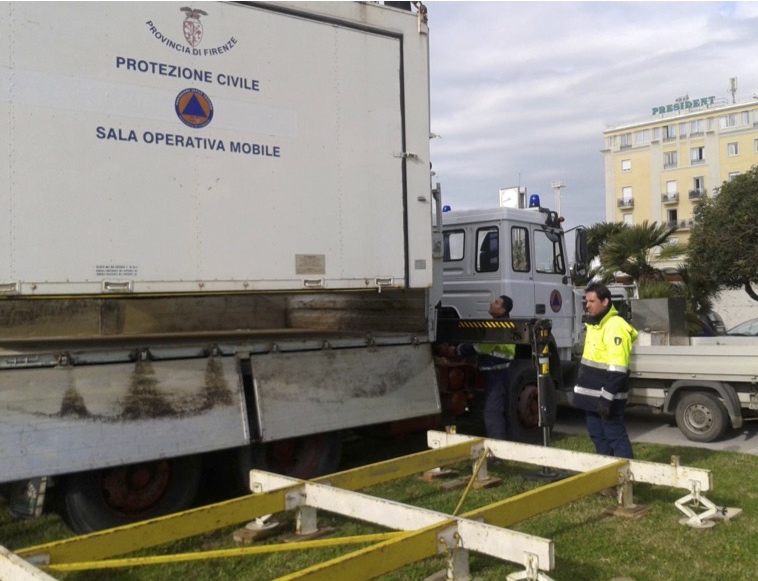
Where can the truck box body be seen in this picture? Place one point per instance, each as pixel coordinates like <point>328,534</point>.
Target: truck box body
<point>265,153</point>
<point>215,227</point>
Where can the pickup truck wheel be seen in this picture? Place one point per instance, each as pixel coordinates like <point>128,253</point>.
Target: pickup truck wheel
<point>111,497</point>
<point>305,457</point>
<point>523,410</point>
<point>701,417</point>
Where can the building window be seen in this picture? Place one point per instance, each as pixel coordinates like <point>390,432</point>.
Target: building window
<point>682,130</point>
<point>732,175</point>
<point>697,127</point>
<point>627,219</point>
<point>733,149</point>
<point>745,117</point>
<point>626,164</point>
<point>697,155</point>
<point>670,159</point>
<point>626,193</point>
<point>669,132</point>
<point>671,218</point>
<point>642,136</point>
<point>755,145</point>
<point>625,140</point>
<point>728,120</point>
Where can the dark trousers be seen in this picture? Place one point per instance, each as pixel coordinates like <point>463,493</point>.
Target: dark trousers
<point>496,404</point>
<point>609,435</point>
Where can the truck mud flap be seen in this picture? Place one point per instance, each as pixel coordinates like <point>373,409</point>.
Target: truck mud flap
<point>322,391</point>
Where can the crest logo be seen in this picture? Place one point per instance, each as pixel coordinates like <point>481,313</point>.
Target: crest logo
<point>192,27</point>
<point>194,108</point>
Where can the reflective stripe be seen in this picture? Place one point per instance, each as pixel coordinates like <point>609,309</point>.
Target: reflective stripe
<point>618,368</point>
<point>599,393</point>
<point>495,367</point>
<point>595,364</point>
<point>607,367</point>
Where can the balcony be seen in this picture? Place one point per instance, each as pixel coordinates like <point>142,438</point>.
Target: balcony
<point>626,203</point>
<point>670,165</point>
<point>670,197</point>
<point>698,194</point>
<point>697,161</point>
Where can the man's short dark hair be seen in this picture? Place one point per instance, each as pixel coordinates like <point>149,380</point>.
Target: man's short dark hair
<point>507,303</point>
<point>600,290</point>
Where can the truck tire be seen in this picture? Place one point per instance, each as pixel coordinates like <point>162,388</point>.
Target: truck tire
<point>701,417</point>
<point>305,457</point>
<point>523,410</point>
<point>101,499</point>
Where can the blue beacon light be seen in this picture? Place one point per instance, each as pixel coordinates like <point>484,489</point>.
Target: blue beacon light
<point>534,201</point>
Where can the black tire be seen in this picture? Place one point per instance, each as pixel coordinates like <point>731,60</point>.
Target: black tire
<point>701,417</point>
<point>305,457</point>
<point>523,410</point>
<point>101,499</point>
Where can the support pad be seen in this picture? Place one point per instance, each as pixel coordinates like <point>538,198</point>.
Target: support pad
<point>442,575</point>
<point>255,531</point>
<point>438,473</point>
<point>634,511</point>
<point>488,482</point>
<point>317,534</point>
<point>545,475</point>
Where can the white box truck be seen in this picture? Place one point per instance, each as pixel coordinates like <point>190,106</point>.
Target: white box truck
<point>215,235</point>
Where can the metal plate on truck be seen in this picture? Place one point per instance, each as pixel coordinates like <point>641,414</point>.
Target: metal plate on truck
<point>322,391</point>
<point>106,415</point>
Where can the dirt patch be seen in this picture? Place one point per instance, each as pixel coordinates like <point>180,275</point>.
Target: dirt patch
<point>144,401</point>
<point>73,404</point>
<point>216,389</point>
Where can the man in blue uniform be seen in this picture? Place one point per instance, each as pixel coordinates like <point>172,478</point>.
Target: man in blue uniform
<point>494,360</point>
<point>602,385</point>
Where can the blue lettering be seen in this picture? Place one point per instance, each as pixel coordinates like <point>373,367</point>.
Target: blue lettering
<point>115,134</point>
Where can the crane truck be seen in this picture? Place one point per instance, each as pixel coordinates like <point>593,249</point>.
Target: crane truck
<point>216,244</point>
<point>709,384</point>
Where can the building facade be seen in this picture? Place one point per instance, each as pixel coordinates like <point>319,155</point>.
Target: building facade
<point>661,168</point>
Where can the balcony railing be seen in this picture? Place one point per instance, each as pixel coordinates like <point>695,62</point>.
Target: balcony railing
<point>698,194</point>
<point>626,203</point>
<point>670,165</point>
<point>697,161</point>
<point>670,197</point>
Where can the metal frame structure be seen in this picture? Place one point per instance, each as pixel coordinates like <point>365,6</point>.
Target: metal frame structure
<point>420,533</point>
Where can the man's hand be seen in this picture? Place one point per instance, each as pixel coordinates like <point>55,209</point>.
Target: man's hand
<point>603,407</point>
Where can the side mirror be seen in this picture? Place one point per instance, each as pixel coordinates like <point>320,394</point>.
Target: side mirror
<point>580,251</point>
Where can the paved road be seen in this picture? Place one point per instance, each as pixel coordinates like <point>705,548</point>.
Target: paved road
<point>644,426</point>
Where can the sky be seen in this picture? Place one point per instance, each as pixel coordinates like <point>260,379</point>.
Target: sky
<point>521,92</point>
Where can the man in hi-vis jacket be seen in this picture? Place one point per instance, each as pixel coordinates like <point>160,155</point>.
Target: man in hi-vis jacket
<point>494,360</point>
<point>602,386</point>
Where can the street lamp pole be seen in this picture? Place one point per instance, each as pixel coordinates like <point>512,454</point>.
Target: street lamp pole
<point>558,185</point>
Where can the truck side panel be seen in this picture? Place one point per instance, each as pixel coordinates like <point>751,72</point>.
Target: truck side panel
<point>92,416</point>
<point>349,388</point>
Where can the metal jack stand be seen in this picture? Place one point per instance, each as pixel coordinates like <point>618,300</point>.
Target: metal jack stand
<point>540,339</point>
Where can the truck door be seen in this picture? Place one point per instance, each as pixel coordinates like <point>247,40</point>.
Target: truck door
<point>520,284</point>
<point>552,291</point>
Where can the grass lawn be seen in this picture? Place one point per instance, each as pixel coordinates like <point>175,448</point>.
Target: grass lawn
<point>588,544</point>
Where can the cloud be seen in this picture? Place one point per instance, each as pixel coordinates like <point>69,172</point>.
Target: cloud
<point>522,91</point>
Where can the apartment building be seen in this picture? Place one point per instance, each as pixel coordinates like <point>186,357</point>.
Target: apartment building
<point>659,169</point>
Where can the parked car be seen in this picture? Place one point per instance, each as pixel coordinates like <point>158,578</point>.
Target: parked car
<point>712,325</point>
<point>747,329</point>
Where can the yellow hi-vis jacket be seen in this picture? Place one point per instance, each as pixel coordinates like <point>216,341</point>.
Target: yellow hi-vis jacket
<point>604,370</point>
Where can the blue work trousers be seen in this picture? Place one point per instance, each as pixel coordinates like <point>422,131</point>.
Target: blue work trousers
<point>496,404</point>
<point>609,434</point>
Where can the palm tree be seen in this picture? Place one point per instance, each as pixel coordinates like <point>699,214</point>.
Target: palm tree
<point>634,250</point>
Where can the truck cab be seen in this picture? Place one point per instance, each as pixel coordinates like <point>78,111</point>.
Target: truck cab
<point>517,252</point>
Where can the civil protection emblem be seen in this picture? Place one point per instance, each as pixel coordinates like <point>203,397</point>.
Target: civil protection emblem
<point>192,27</point>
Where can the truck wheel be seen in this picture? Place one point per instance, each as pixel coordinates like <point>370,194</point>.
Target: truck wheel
<point>701,417</point>
<point>112,497</point>
<point>305,457</point>
<point>524,404</point>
